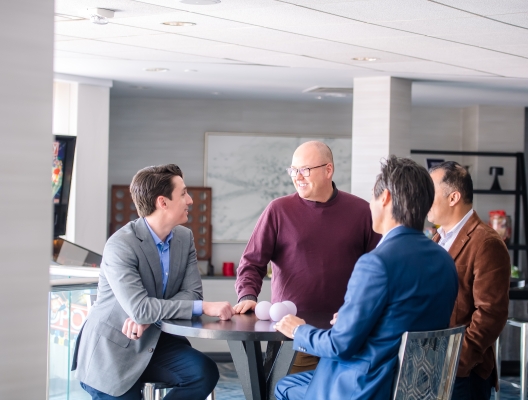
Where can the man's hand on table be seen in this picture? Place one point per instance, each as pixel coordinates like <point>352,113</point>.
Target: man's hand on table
<point>287,324</point>
<point>133,330</point>
<point>245,306</point>
<point>220,309</point>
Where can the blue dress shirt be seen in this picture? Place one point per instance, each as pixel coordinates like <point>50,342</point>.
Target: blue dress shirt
<point>164,255</point>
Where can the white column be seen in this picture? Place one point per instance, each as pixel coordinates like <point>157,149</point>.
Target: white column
<point>81,107</point>
<point>90,119</point>
<point>381,126</point>
<point>26,77</point>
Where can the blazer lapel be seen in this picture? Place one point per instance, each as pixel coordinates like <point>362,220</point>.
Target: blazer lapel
<point>148,247</point>
<point>175,266</point>
<point>463,236</point>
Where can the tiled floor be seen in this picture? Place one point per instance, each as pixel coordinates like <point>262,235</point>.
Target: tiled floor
<point>229,388</point>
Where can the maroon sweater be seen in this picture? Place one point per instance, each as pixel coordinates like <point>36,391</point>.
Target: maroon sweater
<point>313,248</point>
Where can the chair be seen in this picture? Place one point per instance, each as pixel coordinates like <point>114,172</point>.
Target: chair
<point>427,364</point>
<point>523,356</point>
<point>157,391</point>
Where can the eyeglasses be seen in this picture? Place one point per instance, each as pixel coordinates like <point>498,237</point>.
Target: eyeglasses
<point>305,171</point>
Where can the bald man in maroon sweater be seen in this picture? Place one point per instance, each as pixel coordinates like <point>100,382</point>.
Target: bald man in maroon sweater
<point>313,239</point>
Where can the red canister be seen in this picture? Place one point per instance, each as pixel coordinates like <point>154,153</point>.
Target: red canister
<point>228,269</point>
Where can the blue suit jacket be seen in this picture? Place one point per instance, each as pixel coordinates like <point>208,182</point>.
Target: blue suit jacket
<point>408,283</point>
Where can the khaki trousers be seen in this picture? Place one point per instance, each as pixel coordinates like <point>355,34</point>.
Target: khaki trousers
<point>304,362</point>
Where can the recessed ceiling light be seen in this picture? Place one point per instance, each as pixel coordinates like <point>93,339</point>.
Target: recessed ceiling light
<point>156,69</point>
<point>318,97</point>
<point>365,59</point>
<point>139,87</point>
<point>178,23</point>
<point>100,16</point>
<point>215,93</point>
<point>200,2</point>
<point>190,70</point>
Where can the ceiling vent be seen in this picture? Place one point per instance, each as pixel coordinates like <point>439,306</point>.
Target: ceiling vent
<point>330,91</point>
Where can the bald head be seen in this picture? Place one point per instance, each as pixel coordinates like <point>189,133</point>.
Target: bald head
<point>315,148</point>
<point>316,159</point>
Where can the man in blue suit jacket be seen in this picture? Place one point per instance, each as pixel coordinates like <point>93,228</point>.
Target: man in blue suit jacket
<point>408,283</point>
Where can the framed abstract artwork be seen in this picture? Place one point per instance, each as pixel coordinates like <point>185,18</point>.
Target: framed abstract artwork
<point>247,171</point>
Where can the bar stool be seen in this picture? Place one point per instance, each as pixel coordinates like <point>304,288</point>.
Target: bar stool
<point>157,391</point>
<point>524,356</point>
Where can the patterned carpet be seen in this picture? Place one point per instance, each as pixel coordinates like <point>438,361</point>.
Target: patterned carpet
<point>229,388</point>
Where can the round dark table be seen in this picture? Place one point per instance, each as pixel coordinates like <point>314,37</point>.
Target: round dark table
<point>243,333</point>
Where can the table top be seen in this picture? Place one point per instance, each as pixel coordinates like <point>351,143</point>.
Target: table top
<point>240,327</point>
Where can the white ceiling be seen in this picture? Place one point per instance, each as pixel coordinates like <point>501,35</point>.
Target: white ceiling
<point>458,52</point>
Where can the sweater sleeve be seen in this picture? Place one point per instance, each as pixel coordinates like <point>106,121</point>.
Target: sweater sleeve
<point>258,253</point>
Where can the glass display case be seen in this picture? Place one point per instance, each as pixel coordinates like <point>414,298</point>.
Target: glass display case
<point>70,300</point>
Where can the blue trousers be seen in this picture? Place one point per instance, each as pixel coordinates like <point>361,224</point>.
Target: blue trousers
<point>174,362</point>
<point>472,387</point>
<point>293,387</point>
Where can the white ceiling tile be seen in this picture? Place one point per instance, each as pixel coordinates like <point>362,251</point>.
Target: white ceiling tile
<point>427,67</point>
<point>470,25</point>
<point>122,8</point>
<point>87,30</point>
<point>489,7</point>
<point>520,19</point>
<point>382,10</point>
<point>63,38</point>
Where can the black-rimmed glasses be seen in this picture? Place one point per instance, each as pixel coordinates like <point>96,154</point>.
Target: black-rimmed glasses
<point>304,171</point>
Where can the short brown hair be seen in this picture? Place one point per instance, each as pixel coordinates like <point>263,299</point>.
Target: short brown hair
<point>151,182</point>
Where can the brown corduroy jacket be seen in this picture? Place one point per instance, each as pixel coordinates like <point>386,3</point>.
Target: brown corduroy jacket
<point>483,265</point>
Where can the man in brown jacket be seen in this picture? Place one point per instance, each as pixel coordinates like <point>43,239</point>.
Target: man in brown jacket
<point>483,265</point>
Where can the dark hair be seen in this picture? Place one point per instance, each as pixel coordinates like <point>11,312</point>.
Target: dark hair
<point>411,189</point>
<point>151,182</point>
<point>457,177</point>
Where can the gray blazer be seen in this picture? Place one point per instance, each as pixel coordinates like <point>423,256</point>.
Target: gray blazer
<point>131,285</point>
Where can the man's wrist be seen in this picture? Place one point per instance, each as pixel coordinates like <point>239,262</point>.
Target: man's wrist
<point>248,297</point>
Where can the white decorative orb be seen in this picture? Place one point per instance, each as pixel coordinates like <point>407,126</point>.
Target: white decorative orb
<point>291,306</point>
<point>263,310</point>
<point>277,311</point>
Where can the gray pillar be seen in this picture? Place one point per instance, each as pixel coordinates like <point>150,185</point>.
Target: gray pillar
<point>26,79</point>
<point>381,126</point>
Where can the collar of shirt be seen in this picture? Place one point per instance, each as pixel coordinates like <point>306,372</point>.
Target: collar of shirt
<point>447,236</point>
<point>386,233</point>
<point>159,243</point>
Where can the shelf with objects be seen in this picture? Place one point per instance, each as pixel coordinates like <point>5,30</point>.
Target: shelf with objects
<point>520,191</point>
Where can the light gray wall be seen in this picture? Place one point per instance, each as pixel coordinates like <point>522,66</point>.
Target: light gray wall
<point>26,77</point>
<point>147,132</point>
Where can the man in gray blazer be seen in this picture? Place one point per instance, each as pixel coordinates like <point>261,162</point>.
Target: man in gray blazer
<point>148,274</point>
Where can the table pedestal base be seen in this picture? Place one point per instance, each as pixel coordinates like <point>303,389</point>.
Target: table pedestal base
<point>257,376</point>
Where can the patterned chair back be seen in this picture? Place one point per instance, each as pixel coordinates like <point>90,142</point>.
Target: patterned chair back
<point>427,364</point>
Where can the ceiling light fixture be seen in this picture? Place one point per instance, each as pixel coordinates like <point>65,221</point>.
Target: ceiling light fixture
<point>139,87</point>
<point>365,59</point>
<point>200,2</point>
<point>178,23</point>
<point>215,93</point>
<point>156,69</point>
<point>100,16</point>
